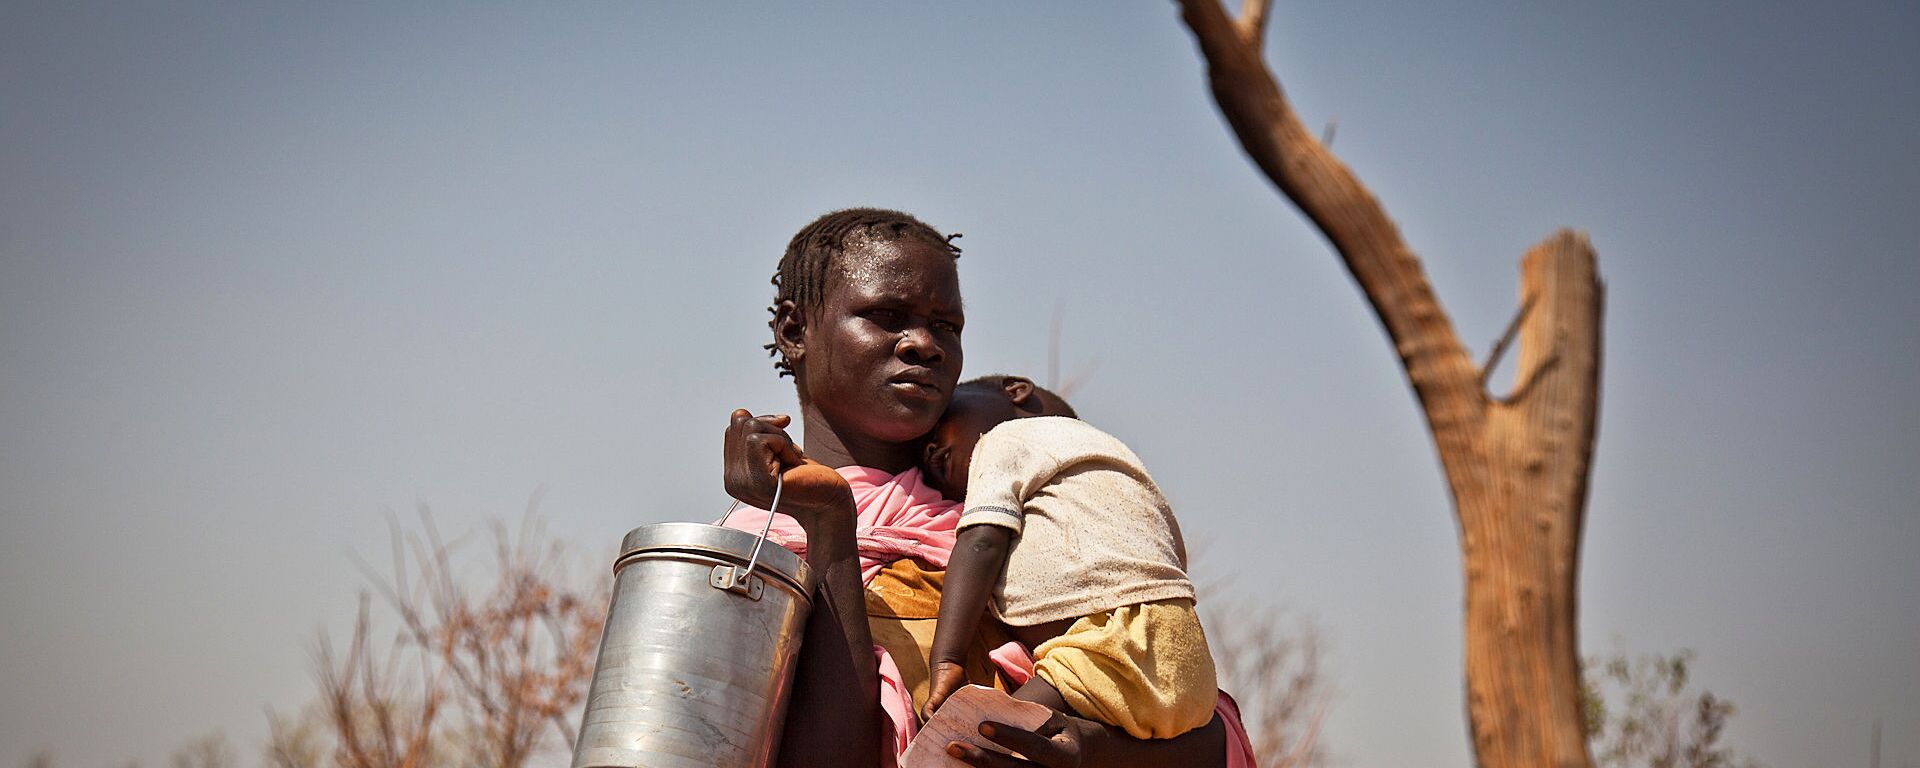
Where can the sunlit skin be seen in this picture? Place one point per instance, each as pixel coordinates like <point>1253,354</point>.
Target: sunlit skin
<point>977,407</point>
<point>949,451</point>
<point>875,365</point>
<point>877,362</point>
<point>980,551</point>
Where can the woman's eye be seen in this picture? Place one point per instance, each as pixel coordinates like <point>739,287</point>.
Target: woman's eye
<point>946,327</point>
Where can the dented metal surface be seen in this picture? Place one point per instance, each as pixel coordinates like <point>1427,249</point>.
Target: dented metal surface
<point>697,657</point>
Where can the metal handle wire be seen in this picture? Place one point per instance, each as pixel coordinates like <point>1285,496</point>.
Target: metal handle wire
<point>753,560</point>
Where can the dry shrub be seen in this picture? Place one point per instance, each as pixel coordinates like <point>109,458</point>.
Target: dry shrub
<point>296,742</point>
<point>205,752</point>
<point>490,676</point>
<point>1641,712</point>
<point>495,675</point>
<point>376,722</point>
<point>1271,665</point>
<point>210,751</point>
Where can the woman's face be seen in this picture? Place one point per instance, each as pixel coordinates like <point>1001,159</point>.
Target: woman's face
<point>883,355</point>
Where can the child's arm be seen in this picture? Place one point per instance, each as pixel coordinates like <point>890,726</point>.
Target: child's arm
<point>1039,691</point>
<point>979,554</point>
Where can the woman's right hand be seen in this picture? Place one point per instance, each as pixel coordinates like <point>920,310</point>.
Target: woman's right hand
<point>1058,743</point>
<point>756,449</point>
<point>1065,741</point>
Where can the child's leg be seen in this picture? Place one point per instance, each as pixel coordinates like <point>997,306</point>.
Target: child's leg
<point>979,555</point>
<point>1142,668</point>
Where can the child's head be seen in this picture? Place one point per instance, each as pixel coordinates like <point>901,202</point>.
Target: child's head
<point>980,405</point>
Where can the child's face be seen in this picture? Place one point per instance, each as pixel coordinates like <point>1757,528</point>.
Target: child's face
<point>950,448</point>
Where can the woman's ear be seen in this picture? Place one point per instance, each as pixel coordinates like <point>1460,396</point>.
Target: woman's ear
<point>789,331</point>
<point>1020,392</point>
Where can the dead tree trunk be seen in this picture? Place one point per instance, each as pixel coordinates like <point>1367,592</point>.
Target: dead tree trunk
<point>1516,465</point>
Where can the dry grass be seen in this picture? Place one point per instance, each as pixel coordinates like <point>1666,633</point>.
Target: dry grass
<point>1644,712</point>
<point>490,676</point>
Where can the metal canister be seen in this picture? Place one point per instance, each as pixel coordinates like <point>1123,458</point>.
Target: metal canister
<point>697,657</point>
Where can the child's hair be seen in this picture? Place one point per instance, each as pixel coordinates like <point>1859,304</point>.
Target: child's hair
<point>992,384</point>
<point>802,275</point>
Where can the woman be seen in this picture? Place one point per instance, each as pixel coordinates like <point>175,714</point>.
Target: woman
<point>867,319</point>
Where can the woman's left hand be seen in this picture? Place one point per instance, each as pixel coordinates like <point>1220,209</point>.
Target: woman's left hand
<point>1063,741</point>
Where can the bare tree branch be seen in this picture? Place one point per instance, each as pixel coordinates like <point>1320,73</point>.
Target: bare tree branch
<point>1253,21</point>
<point>1517,467</point>
<point>1366,239</point>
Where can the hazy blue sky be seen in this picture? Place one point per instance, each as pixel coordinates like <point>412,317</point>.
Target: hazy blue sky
<point>269,274</point>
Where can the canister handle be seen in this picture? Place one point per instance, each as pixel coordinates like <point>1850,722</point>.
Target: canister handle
<point>740,578</point>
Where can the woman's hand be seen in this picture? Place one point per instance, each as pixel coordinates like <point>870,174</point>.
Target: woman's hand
<point>834,681</point>
<point>757,447</point>
<point>1063,741</point>
<point>1066,741</point>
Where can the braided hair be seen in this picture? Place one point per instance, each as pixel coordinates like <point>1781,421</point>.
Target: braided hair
<point>802,276</point>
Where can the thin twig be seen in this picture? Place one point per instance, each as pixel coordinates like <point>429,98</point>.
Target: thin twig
<point>1506,338</point>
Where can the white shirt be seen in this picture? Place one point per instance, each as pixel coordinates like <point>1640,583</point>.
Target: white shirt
<point>1094,532</point>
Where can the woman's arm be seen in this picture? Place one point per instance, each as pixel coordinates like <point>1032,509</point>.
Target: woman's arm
<point>1071,742</point>
<point>835,700</point>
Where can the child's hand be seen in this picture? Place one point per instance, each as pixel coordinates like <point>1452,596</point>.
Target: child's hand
<point>946,677</point>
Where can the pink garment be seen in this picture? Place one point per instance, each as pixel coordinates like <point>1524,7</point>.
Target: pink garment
<point>896,702</point>
<point>898,516</point>
<point>1239,747</point>
<point>901,516</point>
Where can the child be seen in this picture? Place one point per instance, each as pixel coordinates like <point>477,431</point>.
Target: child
<point>1097,584</point>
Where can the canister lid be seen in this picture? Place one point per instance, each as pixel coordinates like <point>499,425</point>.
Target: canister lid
<point>716,541</point>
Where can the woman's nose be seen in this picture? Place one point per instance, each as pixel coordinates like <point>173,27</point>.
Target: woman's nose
<point>918,345</point>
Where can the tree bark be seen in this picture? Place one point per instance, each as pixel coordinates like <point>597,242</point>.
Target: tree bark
<point>1516,466</point>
